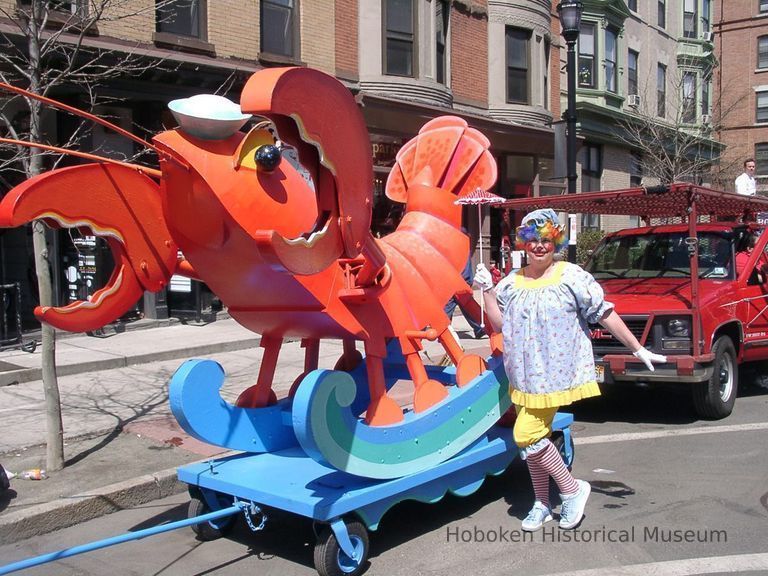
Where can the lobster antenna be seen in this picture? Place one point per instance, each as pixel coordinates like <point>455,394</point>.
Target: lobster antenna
<point>86,155</point>
<point>83,114</point>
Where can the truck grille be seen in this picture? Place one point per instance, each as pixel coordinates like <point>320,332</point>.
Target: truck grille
<point>603,342</point>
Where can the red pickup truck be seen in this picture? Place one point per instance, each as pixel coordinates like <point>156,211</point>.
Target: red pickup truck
<point>696,291</point>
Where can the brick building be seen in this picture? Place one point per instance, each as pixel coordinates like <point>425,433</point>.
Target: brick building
<point>642,64</point>
<point>405,61</point>
<point>488,62</point>
<point>741,87</point>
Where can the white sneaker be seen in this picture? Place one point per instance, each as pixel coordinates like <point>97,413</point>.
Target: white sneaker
<point>536,518</point>
<point>572,508</point>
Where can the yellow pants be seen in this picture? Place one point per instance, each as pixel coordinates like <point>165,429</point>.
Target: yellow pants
<point>532,424</point>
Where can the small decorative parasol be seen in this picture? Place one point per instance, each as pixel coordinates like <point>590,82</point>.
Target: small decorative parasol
<point>480,197</point>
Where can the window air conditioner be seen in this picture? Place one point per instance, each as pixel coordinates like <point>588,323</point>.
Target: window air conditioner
<point>633,100</point>
<point>707,36</point>
<point>706,119</point>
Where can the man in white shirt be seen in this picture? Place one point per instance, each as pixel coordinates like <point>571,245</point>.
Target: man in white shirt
<point>745,184</point>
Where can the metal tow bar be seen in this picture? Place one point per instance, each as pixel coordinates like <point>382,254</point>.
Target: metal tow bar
<point>238,506</point>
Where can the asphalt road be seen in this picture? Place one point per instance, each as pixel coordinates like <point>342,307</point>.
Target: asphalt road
<point>671,496</point>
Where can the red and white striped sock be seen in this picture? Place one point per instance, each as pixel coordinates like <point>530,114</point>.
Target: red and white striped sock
<point>540,481</point>
<point>551,462</point>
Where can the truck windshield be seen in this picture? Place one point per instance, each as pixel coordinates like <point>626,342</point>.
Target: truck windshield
<point>656,255</point>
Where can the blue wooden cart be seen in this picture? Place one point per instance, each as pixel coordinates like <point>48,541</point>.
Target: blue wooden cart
<point>287,465</point>
<point>345,507</point>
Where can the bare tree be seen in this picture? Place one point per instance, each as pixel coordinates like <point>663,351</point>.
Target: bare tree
<point>46,44</point>
<point>672,137</point>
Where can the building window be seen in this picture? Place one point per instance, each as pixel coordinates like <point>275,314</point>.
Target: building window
<point>590,221</point>
<point>400,25</point>
<point>762,52</point>
<point>632,57</point>
<point>661,18</point>
<point>635,169</point>
<point>689,97</point>
<point>632,5</point>
<point>587,49</point>
<point>761,159</point>
<point>181,18</point>
<point>72,7</point>
<point>591,167</point>
<point>442,16</point>
<point>706,15</point>
<point>661,90</point>
<point>762,106</point>
<point>763,6</point>
<point>689,18</point>
<point>610,60</point>
<point>278,26</point>
<point>517,65</point>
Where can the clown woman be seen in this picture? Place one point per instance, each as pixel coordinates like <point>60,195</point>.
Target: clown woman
<point>543,312</point>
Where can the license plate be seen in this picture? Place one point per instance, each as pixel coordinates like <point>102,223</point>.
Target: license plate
<point>599,373</point>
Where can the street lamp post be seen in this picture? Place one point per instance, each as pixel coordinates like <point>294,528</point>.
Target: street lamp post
<point>569,12</point>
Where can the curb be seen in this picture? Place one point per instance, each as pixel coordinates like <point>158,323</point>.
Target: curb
<point>12,377</point>
<point>64,512</point>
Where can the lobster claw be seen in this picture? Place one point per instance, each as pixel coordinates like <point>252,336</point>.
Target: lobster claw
<point>122,205</point>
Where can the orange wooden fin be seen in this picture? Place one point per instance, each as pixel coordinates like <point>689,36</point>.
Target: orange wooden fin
<point>396,189</point>
<point>479,136</point>
<point>435,149</point>
<point>483,175</point>
<point>466,155</point>
<point>406,159</point>
<point>443,121</point>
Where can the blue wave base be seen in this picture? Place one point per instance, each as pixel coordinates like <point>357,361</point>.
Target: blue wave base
<point>330,431</point>
<point>202,412</point>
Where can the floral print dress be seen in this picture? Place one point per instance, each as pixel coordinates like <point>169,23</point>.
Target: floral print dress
<point>547,349</point>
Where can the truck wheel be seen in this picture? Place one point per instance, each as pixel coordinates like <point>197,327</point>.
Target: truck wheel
<point>330,560</point>
<point>714,399</point>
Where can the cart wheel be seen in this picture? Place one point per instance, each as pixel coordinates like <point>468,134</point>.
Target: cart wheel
<point>559,441</point>
<point>207,530</point>
<point>30,346</point>
<point>329,558</point>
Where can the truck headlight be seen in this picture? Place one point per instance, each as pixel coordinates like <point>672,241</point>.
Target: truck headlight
<point>678,327</point>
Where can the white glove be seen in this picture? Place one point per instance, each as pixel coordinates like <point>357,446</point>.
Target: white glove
<point>483,278</point>
<point>648,357</point>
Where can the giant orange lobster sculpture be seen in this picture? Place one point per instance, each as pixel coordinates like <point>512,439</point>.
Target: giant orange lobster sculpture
<point>290,258</point>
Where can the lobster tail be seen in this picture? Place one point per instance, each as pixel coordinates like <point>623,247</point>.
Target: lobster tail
<point>447,151</point>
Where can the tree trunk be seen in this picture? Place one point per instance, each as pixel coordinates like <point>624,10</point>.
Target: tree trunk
<point>53,421</point>
<point>54,459</point>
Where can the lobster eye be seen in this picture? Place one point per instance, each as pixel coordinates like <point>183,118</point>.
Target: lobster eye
<point>268,157</point>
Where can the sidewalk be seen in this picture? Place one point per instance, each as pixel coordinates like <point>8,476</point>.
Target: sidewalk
<point>122,446</point>
<point>76,354</point>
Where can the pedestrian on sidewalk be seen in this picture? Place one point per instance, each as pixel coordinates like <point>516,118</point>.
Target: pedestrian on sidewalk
<point>542,311</point>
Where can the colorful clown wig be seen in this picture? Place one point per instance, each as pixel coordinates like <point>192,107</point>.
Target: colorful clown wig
<point>540,225</point>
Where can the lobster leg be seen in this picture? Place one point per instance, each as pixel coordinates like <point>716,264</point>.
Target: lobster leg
<point>350,357</point>
<point>261,393</point>
<point>382,410</point>
<point>452,347</point>
<point>426,392</point>
<point>311,360</point>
